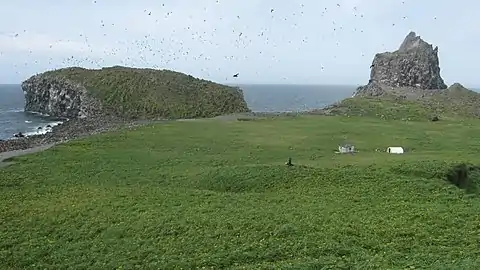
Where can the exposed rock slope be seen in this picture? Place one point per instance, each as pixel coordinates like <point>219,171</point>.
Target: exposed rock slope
<point>129,93</point>
<point>414,65</point>
<point>60,97</point>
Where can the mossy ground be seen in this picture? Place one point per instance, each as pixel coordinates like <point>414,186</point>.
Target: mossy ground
<point>216,194</point>
<point>150,93</point>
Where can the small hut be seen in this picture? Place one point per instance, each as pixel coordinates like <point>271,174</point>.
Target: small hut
<point>395,150</point>
<point>346,148</point>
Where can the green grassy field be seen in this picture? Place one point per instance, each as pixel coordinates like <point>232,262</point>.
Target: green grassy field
<point>217,195</point>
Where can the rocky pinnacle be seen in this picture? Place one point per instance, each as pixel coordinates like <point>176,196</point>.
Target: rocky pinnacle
<point>414,64</point>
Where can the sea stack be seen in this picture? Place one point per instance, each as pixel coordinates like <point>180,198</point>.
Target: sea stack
<point>414,65</point>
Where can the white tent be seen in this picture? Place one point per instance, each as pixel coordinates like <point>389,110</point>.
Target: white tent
<point>395,150</point>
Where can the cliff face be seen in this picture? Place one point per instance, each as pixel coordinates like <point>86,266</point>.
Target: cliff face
<point>58,97</point>
<point>414,65</point>
<point>129,93</point>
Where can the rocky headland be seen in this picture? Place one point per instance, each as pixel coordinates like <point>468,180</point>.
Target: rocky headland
<point>128,93</point>
<point>98,100</point>
<point>406,84</point>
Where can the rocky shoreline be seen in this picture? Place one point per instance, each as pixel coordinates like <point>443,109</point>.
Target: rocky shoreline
<point>71,129</point>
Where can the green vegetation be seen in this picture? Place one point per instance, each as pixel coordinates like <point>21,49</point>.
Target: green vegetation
<point>454,102</point>
<point>385,108</point>
<point>216,194</point>
<point>147,93</point>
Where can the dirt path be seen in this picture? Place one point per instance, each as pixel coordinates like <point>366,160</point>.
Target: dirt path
<point>12,154</point>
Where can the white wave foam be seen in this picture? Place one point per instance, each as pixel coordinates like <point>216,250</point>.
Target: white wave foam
<point>44,129</point>
<point>16,110</point>
<point>38,113</point>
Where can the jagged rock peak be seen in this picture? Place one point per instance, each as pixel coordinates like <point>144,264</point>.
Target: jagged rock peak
<point>414,64</point>
<point>412,41</point>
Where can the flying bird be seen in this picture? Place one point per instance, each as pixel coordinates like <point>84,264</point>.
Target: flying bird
<point>236,75</point>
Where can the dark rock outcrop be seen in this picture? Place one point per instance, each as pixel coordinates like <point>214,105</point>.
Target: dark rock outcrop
<point>372,89</point>
<point>414,65</point>
<point>59,97</point>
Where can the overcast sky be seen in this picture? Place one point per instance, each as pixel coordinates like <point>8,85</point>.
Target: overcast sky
<point>266,41</point>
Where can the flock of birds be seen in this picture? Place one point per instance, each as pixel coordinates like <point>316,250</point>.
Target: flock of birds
<point>149,50</point>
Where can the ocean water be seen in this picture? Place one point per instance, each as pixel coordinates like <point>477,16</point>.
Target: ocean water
<point>260,98</point>
<point>293,98</point>
<point>13,119</point>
